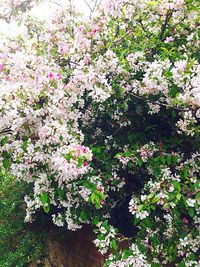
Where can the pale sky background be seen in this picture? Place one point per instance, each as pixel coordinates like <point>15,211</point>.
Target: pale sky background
<point>42,11</point>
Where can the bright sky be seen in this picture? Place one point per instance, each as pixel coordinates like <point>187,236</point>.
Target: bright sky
<point>43,11</point>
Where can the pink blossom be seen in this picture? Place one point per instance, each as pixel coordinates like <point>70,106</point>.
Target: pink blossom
<point>63,48</point>
<point>81,27</point>
<point>86,60</point>
<point>100,188</point>
<point>102,202</point>
<point>185,221</point>
<point>54,76</point>
<point>51,76</point>
<point>96,29</point>
<point>144,154</point>
<point>169,40</point>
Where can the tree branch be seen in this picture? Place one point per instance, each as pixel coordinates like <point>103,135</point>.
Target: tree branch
<point>164,25</point>
<point>159,103</point>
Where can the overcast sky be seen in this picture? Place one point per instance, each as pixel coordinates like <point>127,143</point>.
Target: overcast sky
<point>43,11</point>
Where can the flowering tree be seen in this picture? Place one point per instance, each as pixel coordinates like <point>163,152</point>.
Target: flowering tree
<point>12,8</point>
<point>100,116</point>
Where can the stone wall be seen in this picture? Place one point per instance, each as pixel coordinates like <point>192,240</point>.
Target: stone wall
<point>71,249</point>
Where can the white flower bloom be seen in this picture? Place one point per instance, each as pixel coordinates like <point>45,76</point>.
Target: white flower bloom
<point>191,202</point>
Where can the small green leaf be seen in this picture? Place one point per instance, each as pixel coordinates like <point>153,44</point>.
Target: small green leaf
<point>140,207</point>
<point>80,161</point>
<point>6,163</point>
<point>61,192</point>
<point>101,195</point>
<point>155,199</point>
<point>114,244</point>
<point>197,195</point>
<point>68,157</point>
<point>46,207</point>
<point>169,160</point>
<point>4,140</point>
<point>191,212</point>
<point>151,195</point>
<point>45,202</point>
<point>83,215</point>
<point>153,207</point>
<point>176,185</point>
<point>185,173</point>
<point>44,197</point>
<point>25,145</point>
<point>136,221</point>
<point>140,162</point>
<point>92,198</point>
<point>95,220</point>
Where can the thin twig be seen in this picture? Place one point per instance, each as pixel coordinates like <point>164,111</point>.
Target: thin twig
<point>164,25</point>
<point>88,5</point>
<point>124,36</point>
<point>6,130</point>
<point>95,4</point>
<point>160,103</point>
<point>75,63</point>
<point>55,2</point>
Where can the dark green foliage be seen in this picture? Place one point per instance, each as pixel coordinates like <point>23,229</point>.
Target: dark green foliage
<point>18,245</point>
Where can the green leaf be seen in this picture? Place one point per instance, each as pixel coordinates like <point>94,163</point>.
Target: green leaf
<point>185,173</point>
<point>152,3</point>
<point>92,198</point>
<point>197,195</point>
<point>151,195</point>
<point>155,264</point>
<point>46,208</point>
<point>95,220</point>
<point>45,202</point>
<point>95,199</point>
<point>44,198</point>
<point>101,195</point>
<point>80,161</point>
<point>168,160</point>
<point>156,171</point>
<point>140,207</point>
<point>68,157</point>
<point>87,156</point>
<point>155,200</point>
<point>97,205</point>
<point>191,212</point>
<point>61,192</point>
<point>114,244</point>
<point>176,185</point>
<point>181,264</point>
<point>6,163</point>
<point>4,140</point>
<point>136,221</point>
<point>83,215</point>
<point>174,159</point>
<point>25,145</point>
<point>140,162</point>
<point>152,207</point>
<point>178,196</point>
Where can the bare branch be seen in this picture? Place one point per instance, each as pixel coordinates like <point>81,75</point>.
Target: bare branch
<point>14,9</point>
<point>124,36</point>
<point>160,103</point>
<point>6,130</point>
<point>164,25</point>
<point>88,5</point>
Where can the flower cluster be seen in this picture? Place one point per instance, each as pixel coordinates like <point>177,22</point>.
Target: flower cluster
<point>131,257</point>
<point>106,237</point>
